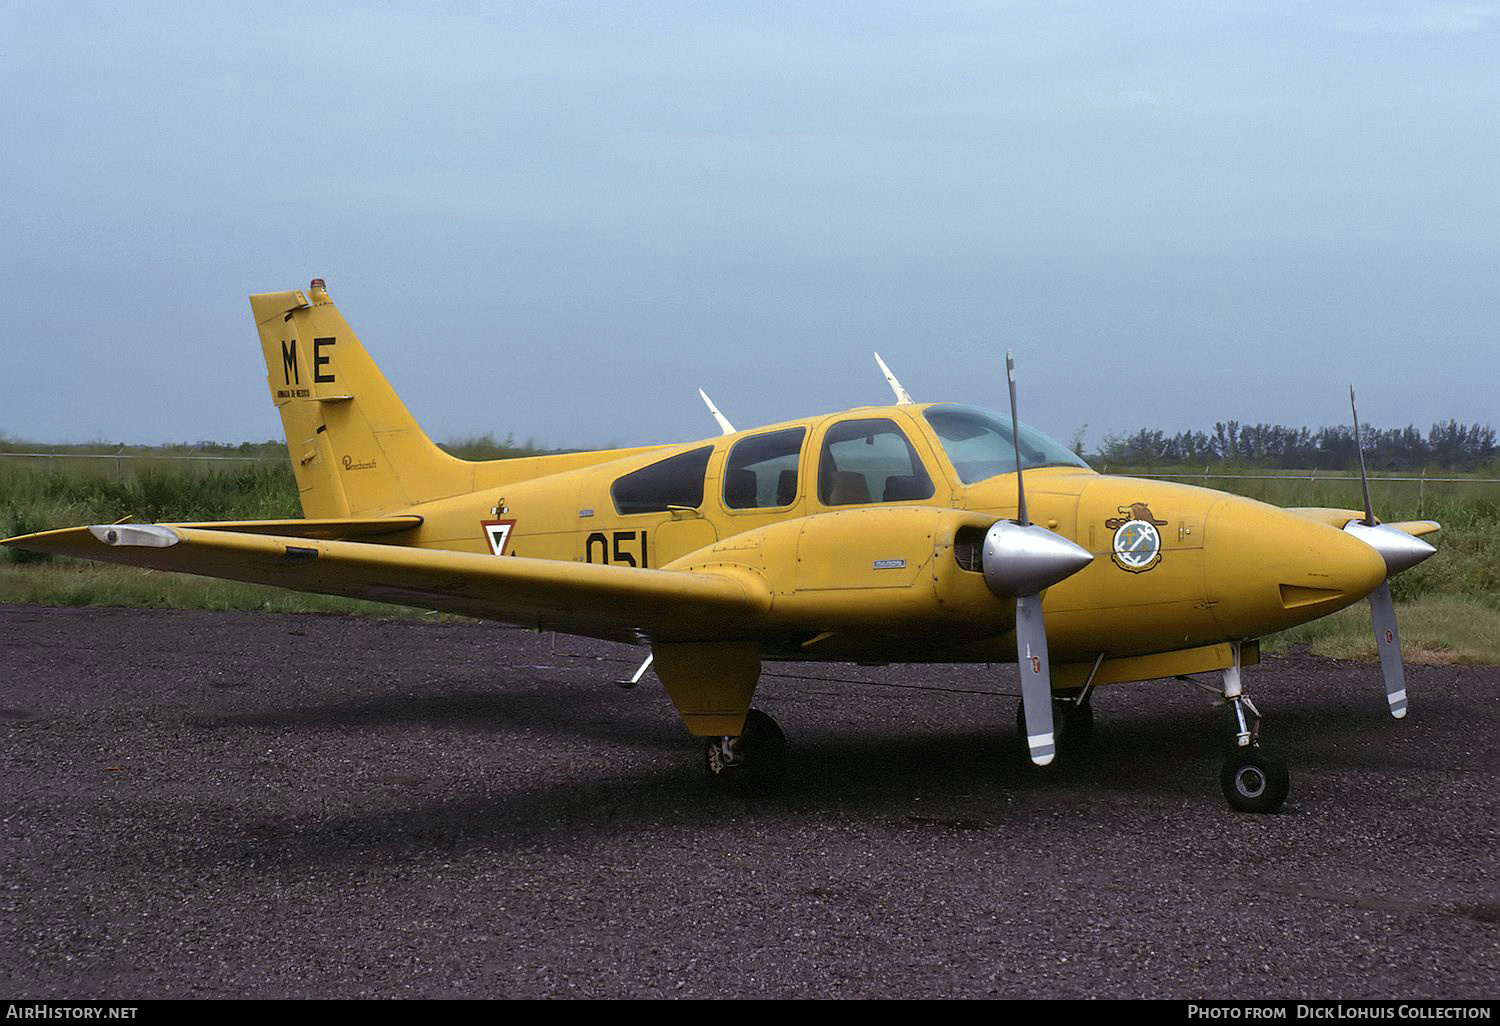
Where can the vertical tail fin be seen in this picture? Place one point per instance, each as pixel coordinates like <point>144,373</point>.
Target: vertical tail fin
<point>355,449</point>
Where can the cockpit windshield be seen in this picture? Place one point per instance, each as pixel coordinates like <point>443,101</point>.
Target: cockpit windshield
<point>978,443</point>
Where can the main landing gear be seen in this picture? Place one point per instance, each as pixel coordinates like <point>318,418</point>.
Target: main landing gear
<point>1252,780</point>
<point>1072,722</point>
<point>752,764</point>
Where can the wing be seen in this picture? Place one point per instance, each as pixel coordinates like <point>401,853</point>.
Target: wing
<point>580,598</point>
<point>1339,517</point>
<point>1417,528</point>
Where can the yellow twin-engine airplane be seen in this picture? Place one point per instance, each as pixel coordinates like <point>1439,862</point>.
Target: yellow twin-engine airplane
<point>899,533</point>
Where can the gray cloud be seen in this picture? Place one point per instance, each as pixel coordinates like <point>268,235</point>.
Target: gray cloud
<point>561,220</point>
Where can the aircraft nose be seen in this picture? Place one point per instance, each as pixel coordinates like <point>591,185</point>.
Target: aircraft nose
<point>1269,569</point>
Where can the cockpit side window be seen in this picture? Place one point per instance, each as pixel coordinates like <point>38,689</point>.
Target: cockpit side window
<point>870,460</point>
<point>761,472</point>
<point>675,481</point>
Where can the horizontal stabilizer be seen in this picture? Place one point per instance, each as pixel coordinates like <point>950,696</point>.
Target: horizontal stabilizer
<point>354,527</point>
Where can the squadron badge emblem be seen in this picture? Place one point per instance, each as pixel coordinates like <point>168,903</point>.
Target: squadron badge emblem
<point>1137,544</point>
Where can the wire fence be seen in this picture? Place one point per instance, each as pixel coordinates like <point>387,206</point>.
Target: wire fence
<point>155,457</point>
<point>1299,475</point>
<point>1325,488</point>
<point>124,462</point>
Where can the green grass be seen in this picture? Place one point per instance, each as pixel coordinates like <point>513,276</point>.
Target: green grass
<point>75,583</point>
<point>1449,607</point>
<point>1433,631</point>
<point>36,498</point>
<point>1412,500</point>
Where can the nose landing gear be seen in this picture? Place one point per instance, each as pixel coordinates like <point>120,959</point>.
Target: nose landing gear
<point>1252,781</point>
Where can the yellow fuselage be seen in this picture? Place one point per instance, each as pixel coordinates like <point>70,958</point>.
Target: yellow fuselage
<point>898,580</point>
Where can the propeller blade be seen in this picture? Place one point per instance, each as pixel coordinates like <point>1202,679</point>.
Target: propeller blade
<point>1401,552</point>
<point>1021,560</point>
<point>1383,615</point>
<point>1036,678</point>
<point>1364,479</point>
<point>1015,436</point>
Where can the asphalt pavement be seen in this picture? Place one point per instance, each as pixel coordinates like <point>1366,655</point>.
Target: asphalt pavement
<point>232,804</point>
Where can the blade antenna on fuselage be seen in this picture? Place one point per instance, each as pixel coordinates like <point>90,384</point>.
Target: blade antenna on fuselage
<point>719,418</point>
<point>903,397</point>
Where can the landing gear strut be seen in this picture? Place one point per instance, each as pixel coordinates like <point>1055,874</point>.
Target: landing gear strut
<point>1252,781</point>
<point>752,764</point>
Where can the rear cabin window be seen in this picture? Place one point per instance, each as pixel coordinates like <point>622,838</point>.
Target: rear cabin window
<point>761,472</point>
<point>676,481</point>
<point>870,461</point>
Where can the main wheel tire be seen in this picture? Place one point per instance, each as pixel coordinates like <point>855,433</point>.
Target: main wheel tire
<point>751,765</point>
<point>1254,782</point>
<point>1079,717</point>
<point>1072,725</point>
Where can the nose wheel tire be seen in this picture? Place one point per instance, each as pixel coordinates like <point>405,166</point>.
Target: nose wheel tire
<point>1253,781</point>
<point>752,764</point>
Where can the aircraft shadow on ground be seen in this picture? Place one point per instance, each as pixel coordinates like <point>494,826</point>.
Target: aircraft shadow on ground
<point>875,775</point>
<point>868,772</point>
<point>566,711</point>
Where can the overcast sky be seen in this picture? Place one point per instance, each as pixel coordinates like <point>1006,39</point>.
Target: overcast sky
<point>560,219</point>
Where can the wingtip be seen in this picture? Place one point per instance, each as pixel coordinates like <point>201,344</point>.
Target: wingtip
<point>28,541</point>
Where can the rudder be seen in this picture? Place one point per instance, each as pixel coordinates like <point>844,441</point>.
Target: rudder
<point>355,449</point>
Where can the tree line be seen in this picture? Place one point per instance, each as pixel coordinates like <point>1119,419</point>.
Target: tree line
<point>1448,446</point>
